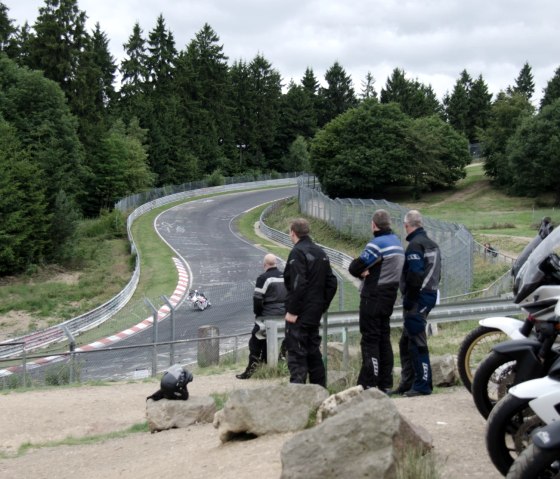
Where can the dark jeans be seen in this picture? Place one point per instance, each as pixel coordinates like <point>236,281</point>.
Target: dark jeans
<point>377,353</point>
<point>257,349</point>
<point>304,355</point>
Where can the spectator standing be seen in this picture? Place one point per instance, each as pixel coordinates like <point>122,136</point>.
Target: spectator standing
<point>546,227</point>
<point>379,266</point>
<point>269,299</point>
<point>311,287</point>
<point>419,286</point>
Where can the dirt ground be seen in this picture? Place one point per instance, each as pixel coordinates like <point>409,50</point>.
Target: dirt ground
<point>196,452</point>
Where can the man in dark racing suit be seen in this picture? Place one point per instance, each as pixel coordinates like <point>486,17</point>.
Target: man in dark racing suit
<point>379,266</point>
<point>311,287</point>
<point>419,286</point>
<point>269,299</point>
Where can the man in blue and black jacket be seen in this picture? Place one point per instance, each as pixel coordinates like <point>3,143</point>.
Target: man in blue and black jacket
<point>379,266</point>
<point>419,287</point>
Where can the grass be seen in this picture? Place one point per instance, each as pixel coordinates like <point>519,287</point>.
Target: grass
<point>78,441</point>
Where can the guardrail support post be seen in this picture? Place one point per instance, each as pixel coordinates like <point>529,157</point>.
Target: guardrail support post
<point>154,336</point>
<point>172,319</point>
<point>271,342</point>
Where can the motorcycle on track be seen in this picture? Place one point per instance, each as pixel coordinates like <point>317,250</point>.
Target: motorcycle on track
<point>198,300</point>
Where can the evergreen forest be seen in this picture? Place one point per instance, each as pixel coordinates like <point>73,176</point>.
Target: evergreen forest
<point>79,131</point>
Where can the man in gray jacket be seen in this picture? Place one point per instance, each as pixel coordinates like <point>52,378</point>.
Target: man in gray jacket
<point>269,299</point>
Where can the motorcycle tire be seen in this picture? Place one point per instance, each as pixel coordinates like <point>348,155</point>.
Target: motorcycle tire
<point>492,380</point>
<point>535,463</point>
<point>508,431</point>
<point>474,348</point>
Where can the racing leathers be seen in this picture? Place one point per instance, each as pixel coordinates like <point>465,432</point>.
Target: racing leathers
<point>419,286</point>
<point>383,258</point>
<point>311,287</point>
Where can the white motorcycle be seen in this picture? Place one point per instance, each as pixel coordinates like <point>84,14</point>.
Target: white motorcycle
<point>479,343</point>
<point>198,300</point>
<point>541,459</point>
<point>526,407</point>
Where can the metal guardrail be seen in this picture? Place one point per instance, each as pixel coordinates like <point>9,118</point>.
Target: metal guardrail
<point>337,322</point>
<point>53,334</point>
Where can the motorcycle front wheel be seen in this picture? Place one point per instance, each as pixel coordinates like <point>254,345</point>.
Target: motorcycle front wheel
<point>474,348</point>
<point>536,463</point>
<point>492,380</point>
<point>508,430</point>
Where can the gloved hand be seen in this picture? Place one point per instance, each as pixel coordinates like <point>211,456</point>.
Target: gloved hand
<point>408,304</point>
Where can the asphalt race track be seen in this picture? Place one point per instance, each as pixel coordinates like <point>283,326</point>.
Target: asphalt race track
<point>222,265</point>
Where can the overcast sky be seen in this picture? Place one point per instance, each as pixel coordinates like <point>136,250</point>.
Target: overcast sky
<point>432,40</point>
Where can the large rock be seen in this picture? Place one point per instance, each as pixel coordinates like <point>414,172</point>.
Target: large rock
<point>362,439</point>
<point>443,370</point>
<point>167,414</point>
<point>268,410</point>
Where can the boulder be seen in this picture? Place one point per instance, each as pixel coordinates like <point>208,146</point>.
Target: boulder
<point>362,438</point>
<point>268,410</point>
<point>167,414</point>
<point>443,370</point>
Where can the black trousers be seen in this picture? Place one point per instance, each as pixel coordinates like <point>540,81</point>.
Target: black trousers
<point>303,344</point>
<point>377,352</point>
<point>257,348</point>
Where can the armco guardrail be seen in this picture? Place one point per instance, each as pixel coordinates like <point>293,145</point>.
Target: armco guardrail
<point>336,322</point>
<point>100,314</point>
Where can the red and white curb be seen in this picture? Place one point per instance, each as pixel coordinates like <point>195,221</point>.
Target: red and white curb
<point>180,290</point>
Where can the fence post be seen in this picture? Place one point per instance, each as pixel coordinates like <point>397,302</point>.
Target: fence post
<point>208,346</point>
<point>172,319</point>
<point>271,342</point>
<point>154,336</point>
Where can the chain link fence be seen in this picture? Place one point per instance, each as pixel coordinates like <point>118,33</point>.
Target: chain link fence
<point>353,217</point>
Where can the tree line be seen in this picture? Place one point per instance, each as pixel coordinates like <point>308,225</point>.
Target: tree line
<point>72,143</point>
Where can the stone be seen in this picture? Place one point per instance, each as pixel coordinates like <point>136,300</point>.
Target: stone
<point>444,372</point>
<point>268,410</point>
<point>167,414</point>
<point>363,438</point>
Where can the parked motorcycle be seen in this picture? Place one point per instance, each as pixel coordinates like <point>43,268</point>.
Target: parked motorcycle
<point>541,459</point>
<point>526,407</point>
<point>479,342</point>
<point>537,290</point>
<point>198,300</point>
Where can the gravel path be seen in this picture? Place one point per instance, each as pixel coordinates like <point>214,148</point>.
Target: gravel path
<point>40,416</point>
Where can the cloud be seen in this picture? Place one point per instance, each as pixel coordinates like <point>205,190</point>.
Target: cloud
<point>432,40</point>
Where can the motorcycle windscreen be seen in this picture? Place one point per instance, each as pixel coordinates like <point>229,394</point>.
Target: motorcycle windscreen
<point>520,261</point>
<point>530,276</point>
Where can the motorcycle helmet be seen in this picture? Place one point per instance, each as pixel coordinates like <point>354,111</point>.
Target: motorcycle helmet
<point>174,382</point>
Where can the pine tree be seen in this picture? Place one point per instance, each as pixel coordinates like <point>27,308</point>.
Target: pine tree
<point>58,43</point>
<point>368,87</point>
<point>7,30</point>
<point>203,82</point>
<point>524,83</point>
<point>23,207</point>
<point>552,90</point>
<point>338,96</point>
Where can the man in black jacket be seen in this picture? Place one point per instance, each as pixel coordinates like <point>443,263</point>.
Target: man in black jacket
<point>419,287</point>
<point>269,299</point>
<point>311,287</point>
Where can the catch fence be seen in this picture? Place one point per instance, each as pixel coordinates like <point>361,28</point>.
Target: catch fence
<point>353,217</point>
